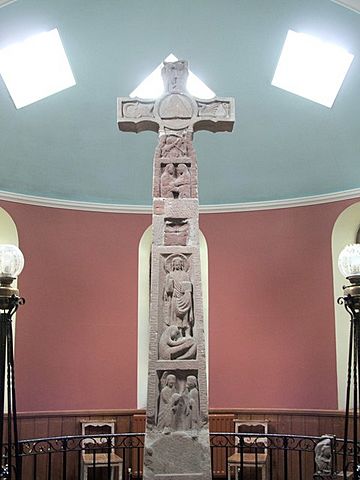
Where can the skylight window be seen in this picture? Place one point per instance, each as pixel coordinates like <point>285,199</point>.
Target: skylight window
<point>311,68</point>
<point>35,68</point>
<point>152,86</point>
<point>4,3</point>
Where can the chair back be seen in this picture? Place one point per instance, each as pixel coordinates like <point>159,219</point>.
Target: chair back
<point>93,428</point>
<point>256,443</point>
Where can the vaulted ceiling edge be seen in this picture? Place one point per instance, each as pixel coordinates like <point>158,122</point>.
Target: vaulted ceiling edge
<point>146,209</point>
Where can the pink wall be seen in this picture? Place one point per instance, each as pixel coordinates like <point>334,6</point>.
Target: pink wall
<point>272,339</point>
<point>78,327</point>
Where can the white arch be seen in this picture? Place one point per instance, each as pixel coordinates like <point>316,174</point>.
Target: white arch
<point>344,232</point>
<point>8,234</point>
<point>144,303</point>
<point>8,230</point>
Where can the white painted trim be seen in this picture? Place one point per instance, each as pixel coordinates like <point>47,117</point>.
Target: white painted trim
<point>285,203</point>
<point>8,234</point>
<point>143,334</point>
<point>344,232</point>
<point>5,3</point>
<point>141,209</point>
<point>353,5</point>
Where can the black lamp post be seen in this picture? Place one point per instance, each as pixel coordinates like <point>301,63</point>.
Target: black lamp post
<point>11,264</point>
<point>349,265</point>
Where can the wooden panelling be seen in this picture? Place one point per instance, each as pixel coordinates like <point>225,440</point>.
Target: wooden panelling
<point>301,422</point>
<point>222,423</point>
<point>50,424</point>
<point>138,423</point>
<point>138,426</point>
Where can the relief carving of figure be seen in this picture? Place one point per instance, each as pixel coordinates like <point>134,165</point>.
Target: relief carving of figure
<point>173,346</point>
<point>178,411</point>
<point>182,183</point>
<point>138,109</point>
<point>175,182</point>
<point>178,295</point>
<point>173,146</point>
<point>174,75</point>
<point>323,457</point>
<point>167,181</point>
<point>165,415</point>
<point>192,394</point>
<point>216,109</point>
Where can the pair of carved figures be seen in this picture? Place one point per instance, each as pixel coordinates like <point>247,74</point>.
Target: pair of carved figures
<point>175,182</point>
<point>178,411</point>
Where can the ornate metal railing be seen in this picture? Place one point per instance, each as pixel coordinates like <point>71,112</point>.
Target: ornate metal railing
<point>233,456</point>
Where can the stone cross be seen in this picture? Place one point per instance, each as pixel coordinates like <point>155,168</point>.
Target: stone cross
<point>177,429</point>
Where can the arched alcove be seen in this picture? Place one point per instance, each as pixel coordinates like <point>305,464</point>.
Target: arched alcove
<point>143,307</point>
<point>344,232</point>
<point>8,234</point>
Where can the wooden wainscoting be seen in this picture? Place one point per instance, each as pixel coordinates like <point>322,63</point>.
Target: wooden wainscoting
<point>302,422</point>
<point>51,424</point>
<point>138,426</point>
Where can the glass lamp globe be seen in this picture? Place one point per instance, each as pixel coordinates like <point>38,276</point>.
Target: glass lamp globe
<point>11,261</point>
<point>349,260</point>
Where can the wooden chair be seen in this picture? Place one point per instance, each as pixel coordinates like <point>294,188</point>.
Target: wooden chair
<point>255,454</point>
<point>95,452</point>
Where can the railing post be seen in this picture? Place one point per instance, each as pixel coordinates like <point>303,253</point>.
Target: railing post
<point>19,461</point>
<point>241,442</point>
<point>285,443</point>
<point>49,468</point>
<point>109,442</point>
<point>333,455</point>
<point>64,459</point>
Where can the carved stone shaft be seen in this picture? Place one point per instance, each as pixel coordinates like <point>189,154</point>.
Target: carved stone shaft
<point>177,432</point>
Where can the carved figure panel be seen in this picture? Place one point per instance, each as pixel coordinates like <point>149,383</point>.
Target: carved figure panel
<point>176,231</point>
<point>191,394</point>
<point>178,295</point>
<point>216,109</point>
<point>167,391</point>
<point>167,181</point>
<point>138,109</point>
<point>175,182</point>
<point>174,75</point>
<point>173,346</point>
<point>178,402</point>
<point>182,183</point>
<point>173,146</point>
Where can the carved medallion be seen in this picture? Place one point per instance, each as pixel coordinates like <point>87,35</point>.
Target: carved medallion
<point>176,106</point>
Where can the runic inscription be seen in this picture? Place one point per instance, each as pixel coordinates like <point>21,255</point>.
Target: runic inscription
<point>177,432</point>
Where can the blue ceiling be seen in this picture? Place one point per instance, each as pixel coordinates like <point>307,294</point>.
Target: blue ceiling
<point>67,146</point>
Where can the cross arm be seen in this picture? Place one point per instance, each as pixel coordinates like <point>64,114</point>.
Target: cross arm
<point>216,115</point>
<point>136,115</point>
